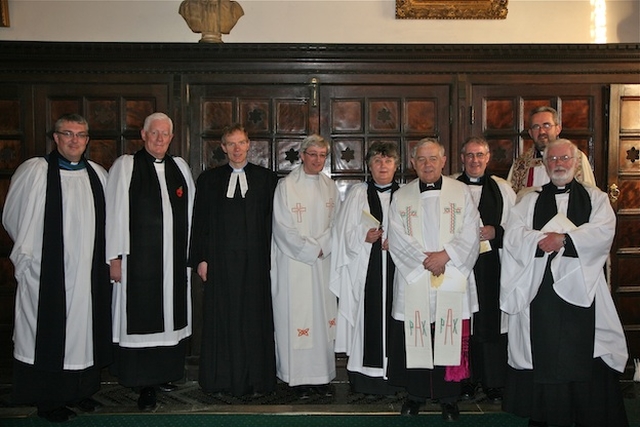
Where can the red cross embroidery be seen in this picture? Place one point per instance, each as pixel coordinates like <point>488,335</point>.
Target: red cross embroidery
<point>303,332</point>
<point>299,210</point>
<point>332,322</point>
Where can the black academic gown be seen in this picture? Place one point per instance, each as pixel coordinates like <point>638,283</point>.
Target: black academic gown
<point>234,237</point>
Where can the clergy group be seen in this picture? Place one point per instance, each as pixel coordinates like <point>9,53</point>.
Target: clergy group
<point>445,288</point>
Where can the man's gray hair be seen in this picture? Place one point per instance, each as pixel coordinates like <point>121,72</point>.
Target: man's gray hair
<point>157,116</point>
<point>426,141</point>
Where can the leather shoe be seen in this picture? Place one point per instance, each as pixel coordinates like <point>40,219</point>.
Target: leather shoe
<point>167,387</point>
<point>324,390</point>
<point>533,423</point>
<point>147,400</point>
<point>88,405</point>
<point>410,408</point>
<point>494,395</point>
<point>303,392</point>
<point>468,391</point>
<point>450,411</point>
<point>58,415</point>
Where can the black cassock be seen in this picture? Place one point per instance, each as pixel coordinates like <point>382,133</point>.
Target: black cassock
<point>488,346</point>
<point>233,235</point>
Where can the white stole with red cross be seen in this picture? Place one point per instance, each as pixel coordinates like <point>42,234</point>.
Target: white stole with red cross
<point>310,199</point>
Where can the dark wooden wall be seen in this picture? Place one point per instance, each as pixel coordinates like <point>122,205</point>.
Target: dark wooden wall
<point>352,94</point>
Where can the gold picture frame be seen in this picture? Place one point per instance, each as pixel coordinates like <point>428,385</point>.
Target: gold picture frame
<point>456,9</point>
<point>4,13</point>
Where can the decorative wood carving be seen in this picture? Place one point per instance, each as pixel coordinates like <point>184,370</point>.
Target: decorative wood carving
<point>460,9</point>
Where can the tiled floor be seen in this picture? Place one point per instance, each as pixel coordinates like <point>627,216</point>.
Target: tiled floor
<point>189,398</point>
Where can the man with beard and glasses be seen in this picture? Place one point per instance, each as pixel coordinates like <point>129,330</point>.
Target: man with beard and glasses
<point>566,343</point>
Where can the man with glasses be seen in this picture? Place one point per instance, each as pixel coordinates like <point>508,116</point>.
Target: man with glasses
<point>55,214</point>
<point>527,170</point>
<point>231,251</point>
<point>566,343</point>
<point>304,309</point>
<point>488,343</point>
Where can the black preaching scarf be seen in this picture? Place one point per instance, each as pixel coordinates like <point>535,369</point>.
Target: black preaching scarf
<point>144,264</point>
<point>486,325</point>
<point>561,334</point>
<point>373,316</point>
<point>51,331</point>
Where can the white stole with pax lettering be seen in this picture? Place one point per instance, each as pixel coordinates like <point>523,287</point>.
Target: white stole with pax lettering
<point>450,287</point>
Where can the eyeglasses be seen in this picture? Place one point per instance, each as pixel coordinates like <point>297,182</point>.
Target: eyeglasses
<point>69,135</point>
<point>478,156</point>
<point>545,126</point>
<point>559,159</point>
<point>321,156</point>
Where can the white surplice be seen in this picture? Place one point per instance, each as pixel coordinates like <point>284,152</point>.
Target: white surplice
<point>350,261</point>
<point>23,218</point>
<point>578,281</point>
<point>117,234</point>
<point>304,309</point>
<point>408,250</point>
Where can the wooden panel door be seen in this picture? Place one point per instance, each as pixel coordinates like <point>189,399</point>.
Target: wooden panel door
<point>501,113</point>
<point>277,118</point>
<point>115,114</point>
<point>624,193</point>
<point>354,116</point>
<point>16,145</point>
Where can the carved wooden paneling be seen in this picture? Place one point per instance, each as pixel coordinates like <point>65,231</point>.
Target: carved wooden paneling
<point>384,116</point>
<point>347,115</point>
<point>348,155</point>
<point>10,122</point>
<point>10,154</point>
<point>629,155</point>
<point>422,116</point>
<point>292,117</point>
<point>628,271</point>
<point>504,116</point>
<point>276,118</point>
<point>216,114</point>
<point>255,115</point>
<point>624,176</point>
<point>288,154</point>
<point>361,115</point>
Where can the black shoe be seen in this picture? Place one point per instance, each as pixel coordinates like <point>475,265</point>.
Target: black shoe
<point>494,395</point>
<point>450,411</point>
<point>88,405</point>
<point>58,415</point>
<point>147,400</point>
<point>324,390</point>
<point>303,392</point>
<point>468,390</point>
<point>410,408</point>
<point>533,423</point>
<point>167,387</point>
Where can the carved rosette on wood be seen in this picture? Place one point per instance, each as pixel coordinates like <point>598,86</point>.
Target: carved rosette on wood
<point>454,9</point>
<point>212,18</point>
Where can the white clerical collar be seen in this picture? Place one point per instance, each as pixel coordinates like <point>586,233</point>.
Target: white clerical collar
<point>237,173</point>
